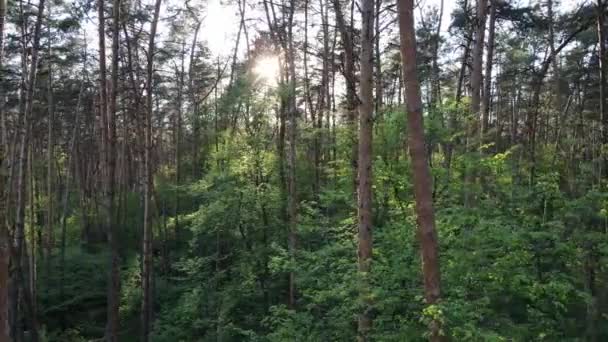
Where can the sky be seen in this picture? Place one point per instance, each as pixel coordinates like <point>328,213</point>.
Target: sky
<point>221,20</point>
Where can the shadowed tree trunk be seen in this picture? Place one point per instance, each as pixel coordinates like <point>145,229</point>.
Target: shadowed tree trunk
<point>292,133</point>
<point>4,236</point>
<point>110,207</point>
<point>18,281</point>
<point>425,216</point>
<point>603,60</point>
<point>146,310</point>
<point>487,92</point>
<point>365,167</point>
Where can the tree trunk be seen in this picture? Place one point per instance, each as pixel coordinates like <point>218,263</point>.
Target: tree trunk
<point>19,230</point>
<point>425,217</point>
<point>476,72</point>
<point>365,166</point>
<point>378,59</point>
<point>351,84</point>
<point>292,133</point>
<point>147,228</point>
<point>603,60</point>
<point>50,174</point>
<point>436,85</point>
<point>4,235</point>
<point>485,106</point>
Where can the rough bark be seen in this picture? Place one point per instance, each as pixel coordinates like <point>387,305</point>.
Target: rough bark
<point>425,216</point>
<point>365,166</point>
<point>292,133</point>
<point>4,236</point>
<point>147,228</point>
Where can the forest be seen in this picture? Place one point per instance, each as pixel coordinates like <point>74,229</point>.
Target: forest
<point>303,170</point>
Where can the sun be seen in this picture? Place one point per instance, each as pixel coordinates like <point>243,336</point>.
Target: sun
<point>267,69</point>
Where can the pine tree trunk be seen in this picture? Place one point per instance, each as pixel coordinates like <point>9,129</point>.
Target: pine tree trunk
<point>603,60</point>
<point>425,216</point>
<point>4,235</point>
<point>378,59</point>
<point>485,105</point>
<point>20,288</point>
<point>147,228</point>
<point>476,72</point>
<point>292,133</point>
<point>365,167</point>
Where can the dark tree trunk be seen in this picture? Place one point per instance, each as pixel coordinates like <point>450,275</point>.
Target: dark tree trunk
<point>147,228</point>
<point>365,166</point>
<point>487,93</point>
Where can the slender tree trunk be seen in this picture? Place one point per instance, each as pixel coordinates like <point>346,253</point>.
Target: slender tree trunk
<point>487,93</point>
<point>365,166</point>
<point>436,84</point>
<point>425,216</point>
<point>4,234</point>
<point>147,228</point>
<point>601,34</point>
<point>476,73</point>
<point>178,138</point>
<point>292,133</point>
<point>378,59</point>
<point>68,181</point>
<point>50,174</point>
<point>108,133</point>
<point>19,230</point>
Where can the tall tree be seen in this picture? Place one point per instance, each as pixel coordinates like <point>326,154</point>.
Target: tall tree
<point>146,310</point>
<point>603,64</point>
<point>366,110</point>
<point>4,234</point>
<point>477,64</point>
<point>27,92</point>
<point>487,84</point>
<point>346,37</point>
<point>292,133</point>
<point>110,165</point>
<point>425,216</point>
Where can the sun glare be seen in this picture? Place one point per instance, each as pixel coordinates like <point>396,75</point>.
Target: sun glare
<point>267,69</point>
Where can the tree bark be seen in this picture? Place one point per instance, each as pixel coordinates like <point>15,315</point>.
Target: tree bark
<point>487,93</point>
<point>292,134</point>
<point>351,84</point>
<point>19,230</point>
<point>603,61</point>
<point>147,228</point>
<point>378,59</point>
<point>425,216</point>
<point>476,73</point>
<point>4,234</point>
<point>365,166</point>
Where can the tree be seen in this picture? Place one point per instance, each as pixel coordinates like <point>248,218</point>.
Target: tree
<point>147,228</point>
<point>425,216</point>
<point>110,164</point>
<point>603,62</point>
<point>487,84</point>
<point>477,64</point>
<point>4,234</point>
<point>364,213</point>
